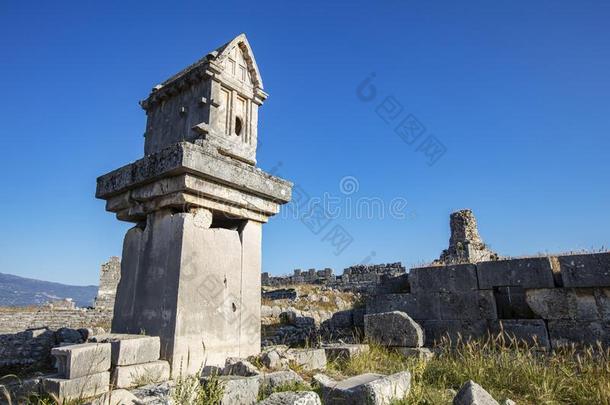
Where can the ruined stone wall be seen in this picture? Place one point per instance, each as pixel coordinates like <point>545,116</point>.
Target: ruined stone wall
<point>12,320</point>
<point>110,274</point>
<point>554,300</point>
<point>368,279</point>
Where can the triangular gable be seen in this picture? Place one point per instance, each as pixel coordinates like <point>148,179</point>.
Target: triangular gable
<point>236,55</point>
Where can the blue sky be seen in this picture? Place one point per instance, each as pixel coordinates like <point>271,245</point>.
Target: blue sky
<point>517,92</point>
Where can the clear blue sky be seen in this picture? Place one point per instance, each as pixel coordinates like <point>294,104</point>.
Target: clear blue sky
<point>517,92</point>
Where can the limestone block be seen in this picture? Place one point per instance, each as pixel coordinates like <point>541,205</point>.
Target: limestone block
<point>237,390</point>
<point>365,389</point>
<point>292,398</point>
<point>270,381</point>
<point>76,361</point>
<point>532,272</point>
<point>529,331</point>
<point>588,270</point>
<point>565,332</point>
<point>465,329</point>
<point>77,388</point>
<point>340,351</point>
<point>470,305</point>
<point>240,367</point>
<point>308,359</point>
<point>131,349</point>
<point>452,278</point>
<point>417,306</point>
<point>140,374</point>
<point>393,329</point>
<point>116,397</point>
<point>421,353</point>
<point>472,393</point>
<point>570,303</point>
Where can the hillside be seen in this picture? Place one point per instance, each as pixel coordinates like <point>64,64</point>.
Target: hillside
<point>21,291</point>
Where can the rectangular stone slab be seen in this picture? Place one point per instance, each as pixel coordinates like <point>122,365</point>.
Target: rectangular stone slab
<point>140,374</point>
<point>130,349</point>
<point>80,360</point>
<point>417,306</point>
<point>470,305</point>
<point>564,333</point>
<point>185,157</point>
<point>570,303</point>
<point>530,331</point>
<point>588,270</point>
<point>533,272</point>
<point>77,388</point>
<point>462,277</point>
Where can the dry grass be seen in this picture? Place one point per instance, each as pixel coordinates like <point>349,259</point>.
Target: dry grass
<point>505,369</point>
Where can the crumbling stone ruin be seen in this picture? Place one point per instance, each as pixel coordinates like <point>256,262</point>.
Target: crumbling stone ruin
<point>359,278</point>
<point>110,274</point>
<point>465,244</point>
<point>191,265</point>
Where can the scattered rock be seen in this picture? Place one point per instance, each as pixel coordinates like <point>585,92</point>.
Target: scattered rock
<point>340,351</point>
<point>237,390</point>
<point>116,397</point>
<point>472,393</point>
<point>308,359</point>
<point>292,398</point>
<point>365,389</point>
<point>393,328</point>
<point>155,394</point>
<point>269,381</point>
<point>240,367</point>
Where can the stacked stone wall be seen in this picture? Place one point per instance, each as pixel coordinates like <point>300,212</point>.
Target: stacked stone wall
<point>552,300</point>
<point>12,321</point>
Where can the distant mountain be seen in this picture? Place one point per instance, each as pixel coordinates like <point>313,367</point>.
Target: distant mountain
<point>20,291</point>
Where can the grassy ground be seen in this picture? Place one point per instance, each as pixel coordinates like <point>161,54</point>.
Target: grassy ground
<point>522,374</point>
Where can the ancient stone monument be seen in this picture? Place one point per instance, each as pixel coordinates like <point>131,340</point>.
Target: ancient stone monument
<point>110,274</point>
<point>191,266</point>
<point>465,244</point>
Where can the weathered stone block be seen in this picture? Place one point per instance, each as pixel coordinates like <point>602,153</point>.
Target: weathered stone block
<point>77,388</point>
<point>417,306</point>
<point>308,359</point>
<point>292,398</point>
<point>365,389</point>
<point>588,270</point>
<point>472,393</point>
<point>131,349</point>
<point>532,272</point>
<point>393,329</point>
<point>76,361</point>
<point>452,278</point>
<point>237,390</point>
<point>468,305</point>
<point>570,303</point>
<point>140,374</point>
<point>240,367</point>
<point>270,381</point>
<point>116,397</point>
<point>344,351</point>
<point>564,332</point>
<point>529,331</point>
<point>465,329</point>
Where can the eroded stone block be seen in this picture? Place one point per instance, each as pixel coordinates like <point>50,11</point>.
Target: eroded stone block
<point>393,329</point>
<point>270,381</point>
<point>80,360</point>
<point>472,393</point>
<point>529,331</point>
<point>565,332</point>
<point>417,306</point>
<point>570,303</point>
<point>532,272</point>
<point>588,270</point>
<point>421,353</point>
<point>468,305</point>
<point>365,389</point>
<point>454,330</point>
<point>140,374</point>
<point>77,388</point>
<point>237,390</point>
<point>344,351</point>
<point>308,359</point>
<point>452,278</point>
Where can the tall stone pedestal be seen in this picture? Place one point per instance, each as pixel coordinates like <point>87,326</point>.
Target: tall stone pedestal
<point>196,287</point>
<point>191,266</point>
